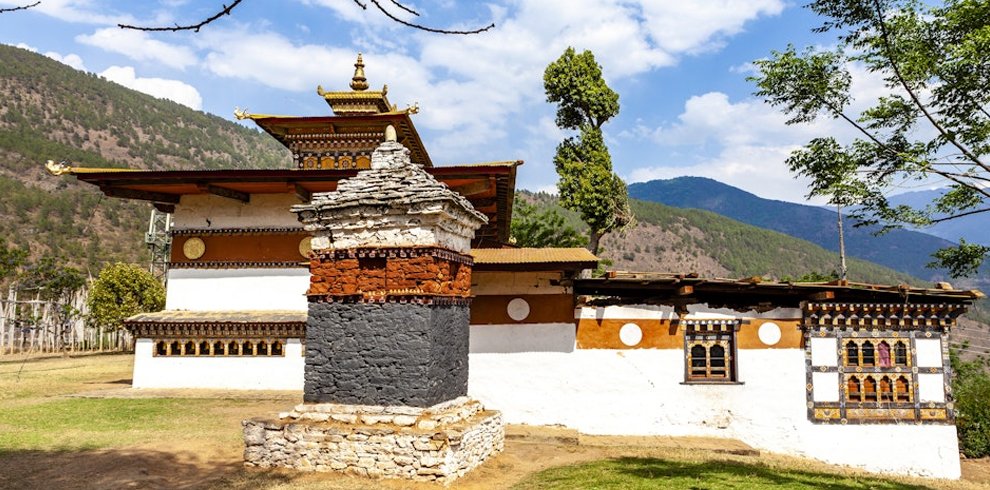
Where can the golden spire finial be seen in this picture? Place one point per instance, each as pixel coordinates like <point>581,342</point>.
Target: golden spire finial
<point>359,82</point>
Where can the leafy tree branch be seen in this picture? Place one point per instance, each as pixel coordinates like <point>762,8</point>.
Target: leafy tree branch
<point>935,60</point>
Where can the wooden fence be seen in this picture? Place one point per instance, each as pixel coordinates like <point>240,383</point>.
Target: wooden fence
<point>29,324</point>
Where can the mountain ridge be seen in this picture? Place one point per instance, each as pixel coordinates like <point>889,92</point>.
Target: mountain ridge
<point>903,250</point>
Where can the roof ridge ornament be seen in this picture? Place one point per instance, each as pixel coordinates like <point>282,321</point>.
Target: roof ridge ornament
<point>359,82</point>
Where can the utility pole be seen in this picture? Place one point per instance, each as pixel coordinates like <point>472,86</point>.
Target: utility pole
<point>159,242</point>
<point>842,246</point>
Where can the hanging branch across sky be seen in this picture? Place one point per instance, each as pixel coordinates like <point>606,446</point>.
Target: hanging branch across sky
<point>192,27</point>
<point>228,8</point>
<point>22,7</point>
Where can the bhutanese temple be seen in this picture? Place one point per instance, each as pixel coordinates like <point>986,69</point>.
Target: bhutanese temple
<point>846,373</point>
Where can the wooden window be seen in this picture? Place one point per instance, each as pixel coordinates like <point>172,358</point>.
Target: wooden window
<point>852,354</point>
<point>902,389</point>
<point>710,356</point>
<point>886,389</point>
<point>854,390</point>
<point>900,353</point>
<point>883,354</point>
<point>219,348</point>
<point>869,389</point>
<point>867,358</point>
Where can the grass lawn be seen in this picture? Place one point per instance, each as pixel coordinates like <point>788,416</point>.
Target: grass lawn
<point>49,440</point>
<point>650,473</point>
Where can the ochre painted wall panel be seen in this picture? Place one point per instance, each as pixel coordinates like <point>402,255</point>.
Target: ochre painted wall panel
<point>543,308</point>
<point>604,334</point>
<point>661,334</point>
<point>748,336</point>
<point>243,248</point>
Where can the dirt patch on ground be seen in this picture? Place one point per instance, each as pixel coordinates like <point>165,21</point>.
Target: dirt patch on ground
<point>198,463</point>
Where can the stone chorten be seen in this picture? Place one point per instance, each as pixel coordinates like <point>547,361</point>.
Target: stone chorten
<point>386,366</point>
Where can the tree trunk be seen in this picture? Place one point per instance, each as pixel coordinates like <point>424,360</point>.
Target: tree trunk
<point>594,238</point>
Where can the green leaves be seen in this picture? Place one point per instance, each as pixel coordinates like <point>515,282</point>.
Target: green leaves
<point>123,290</point>
<point>587,183</point>
<point>540,229</point>
<point>804,85</point>
<point>575,83</point>
<point>11,258</point>
<point>933,127</point>
<point>962,260</point>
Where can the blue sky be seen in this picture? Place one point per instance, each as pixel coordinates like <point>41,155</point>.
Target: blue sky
<point>679,67</point>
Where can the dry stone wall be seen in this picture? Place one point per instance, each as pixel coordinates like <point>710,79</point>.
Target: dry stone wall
<point>438,443</point>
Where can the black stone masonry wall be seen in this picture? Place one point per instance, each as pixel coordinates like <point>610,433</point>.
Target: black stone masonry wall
<point>386,354</point>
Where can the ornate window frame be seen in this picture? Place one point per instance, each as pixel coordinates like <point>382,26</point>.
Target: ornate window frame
<point>219,347</point>
<point>710,338</point>
<point>888,389</point>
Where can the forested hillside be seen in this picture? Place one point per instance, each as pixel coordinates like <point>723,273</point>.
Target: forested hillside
<point>669,239</point>
<point>903,250</point>
<point>51,111</point>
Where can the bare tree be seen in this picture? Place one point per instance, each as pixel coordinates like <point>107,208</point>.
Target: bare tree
<point>226,10</point>
<point>22,7</point>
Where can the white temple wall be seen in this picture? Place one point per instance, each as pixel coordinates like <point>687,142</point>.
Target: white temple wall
<point>641,392</point>
<point>227,372</point>
<point>237,289</point>
<point>205,211</point>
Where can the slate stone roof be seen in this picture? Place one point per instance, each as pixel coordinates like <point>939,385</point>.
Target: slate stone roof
<point>241,316</point>
<point>396,183</point>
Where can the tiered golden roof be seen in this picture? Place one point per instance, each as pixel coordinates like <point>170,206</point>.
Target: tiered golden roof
<point>358,101</point>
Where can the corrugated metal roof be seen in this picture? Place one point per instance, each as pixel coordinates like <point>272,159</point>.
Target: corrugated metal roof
<point>186,316</point>
<point>533,256</point>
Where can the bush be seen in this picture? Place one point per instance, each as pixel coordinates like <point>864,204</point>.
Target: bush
<point>971,386</point>
<point>123,290</point>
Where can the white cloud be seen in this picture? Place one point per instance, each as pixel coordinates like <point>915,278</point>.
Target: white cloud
<point>173,90</point>
<point>76,11</point>
<point>693,26</point>
<point>70,59</point>
<point>749,139</point>
<point>450,75</point>
<point>139,46</point>
<point>757,169</point>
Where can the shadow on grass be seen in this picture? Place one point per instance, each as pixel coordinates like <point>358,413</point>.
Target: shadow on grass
<point>124,468</point>
<point>49,356</point>
<point>633,473</point>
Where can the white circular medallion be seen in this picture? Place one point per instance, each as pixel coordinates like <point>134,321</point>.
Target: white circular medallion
<point>630,334</point>
<point>769,333</point>
<point>518,309</point>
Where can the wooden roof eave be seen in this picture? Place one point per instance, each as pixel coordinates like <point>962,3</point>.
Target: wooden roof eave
<point>743,296</point>
<point>277,127</point>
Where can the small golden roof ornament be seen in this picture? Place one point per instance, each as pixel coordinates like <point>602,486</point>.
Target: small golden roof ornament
<point>56,169</point>
<point>359,82</point>
<point>359,100</point>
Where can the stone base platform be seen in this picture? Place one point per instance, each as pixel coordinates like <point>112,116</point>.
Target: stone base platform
<point>438,443</point>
